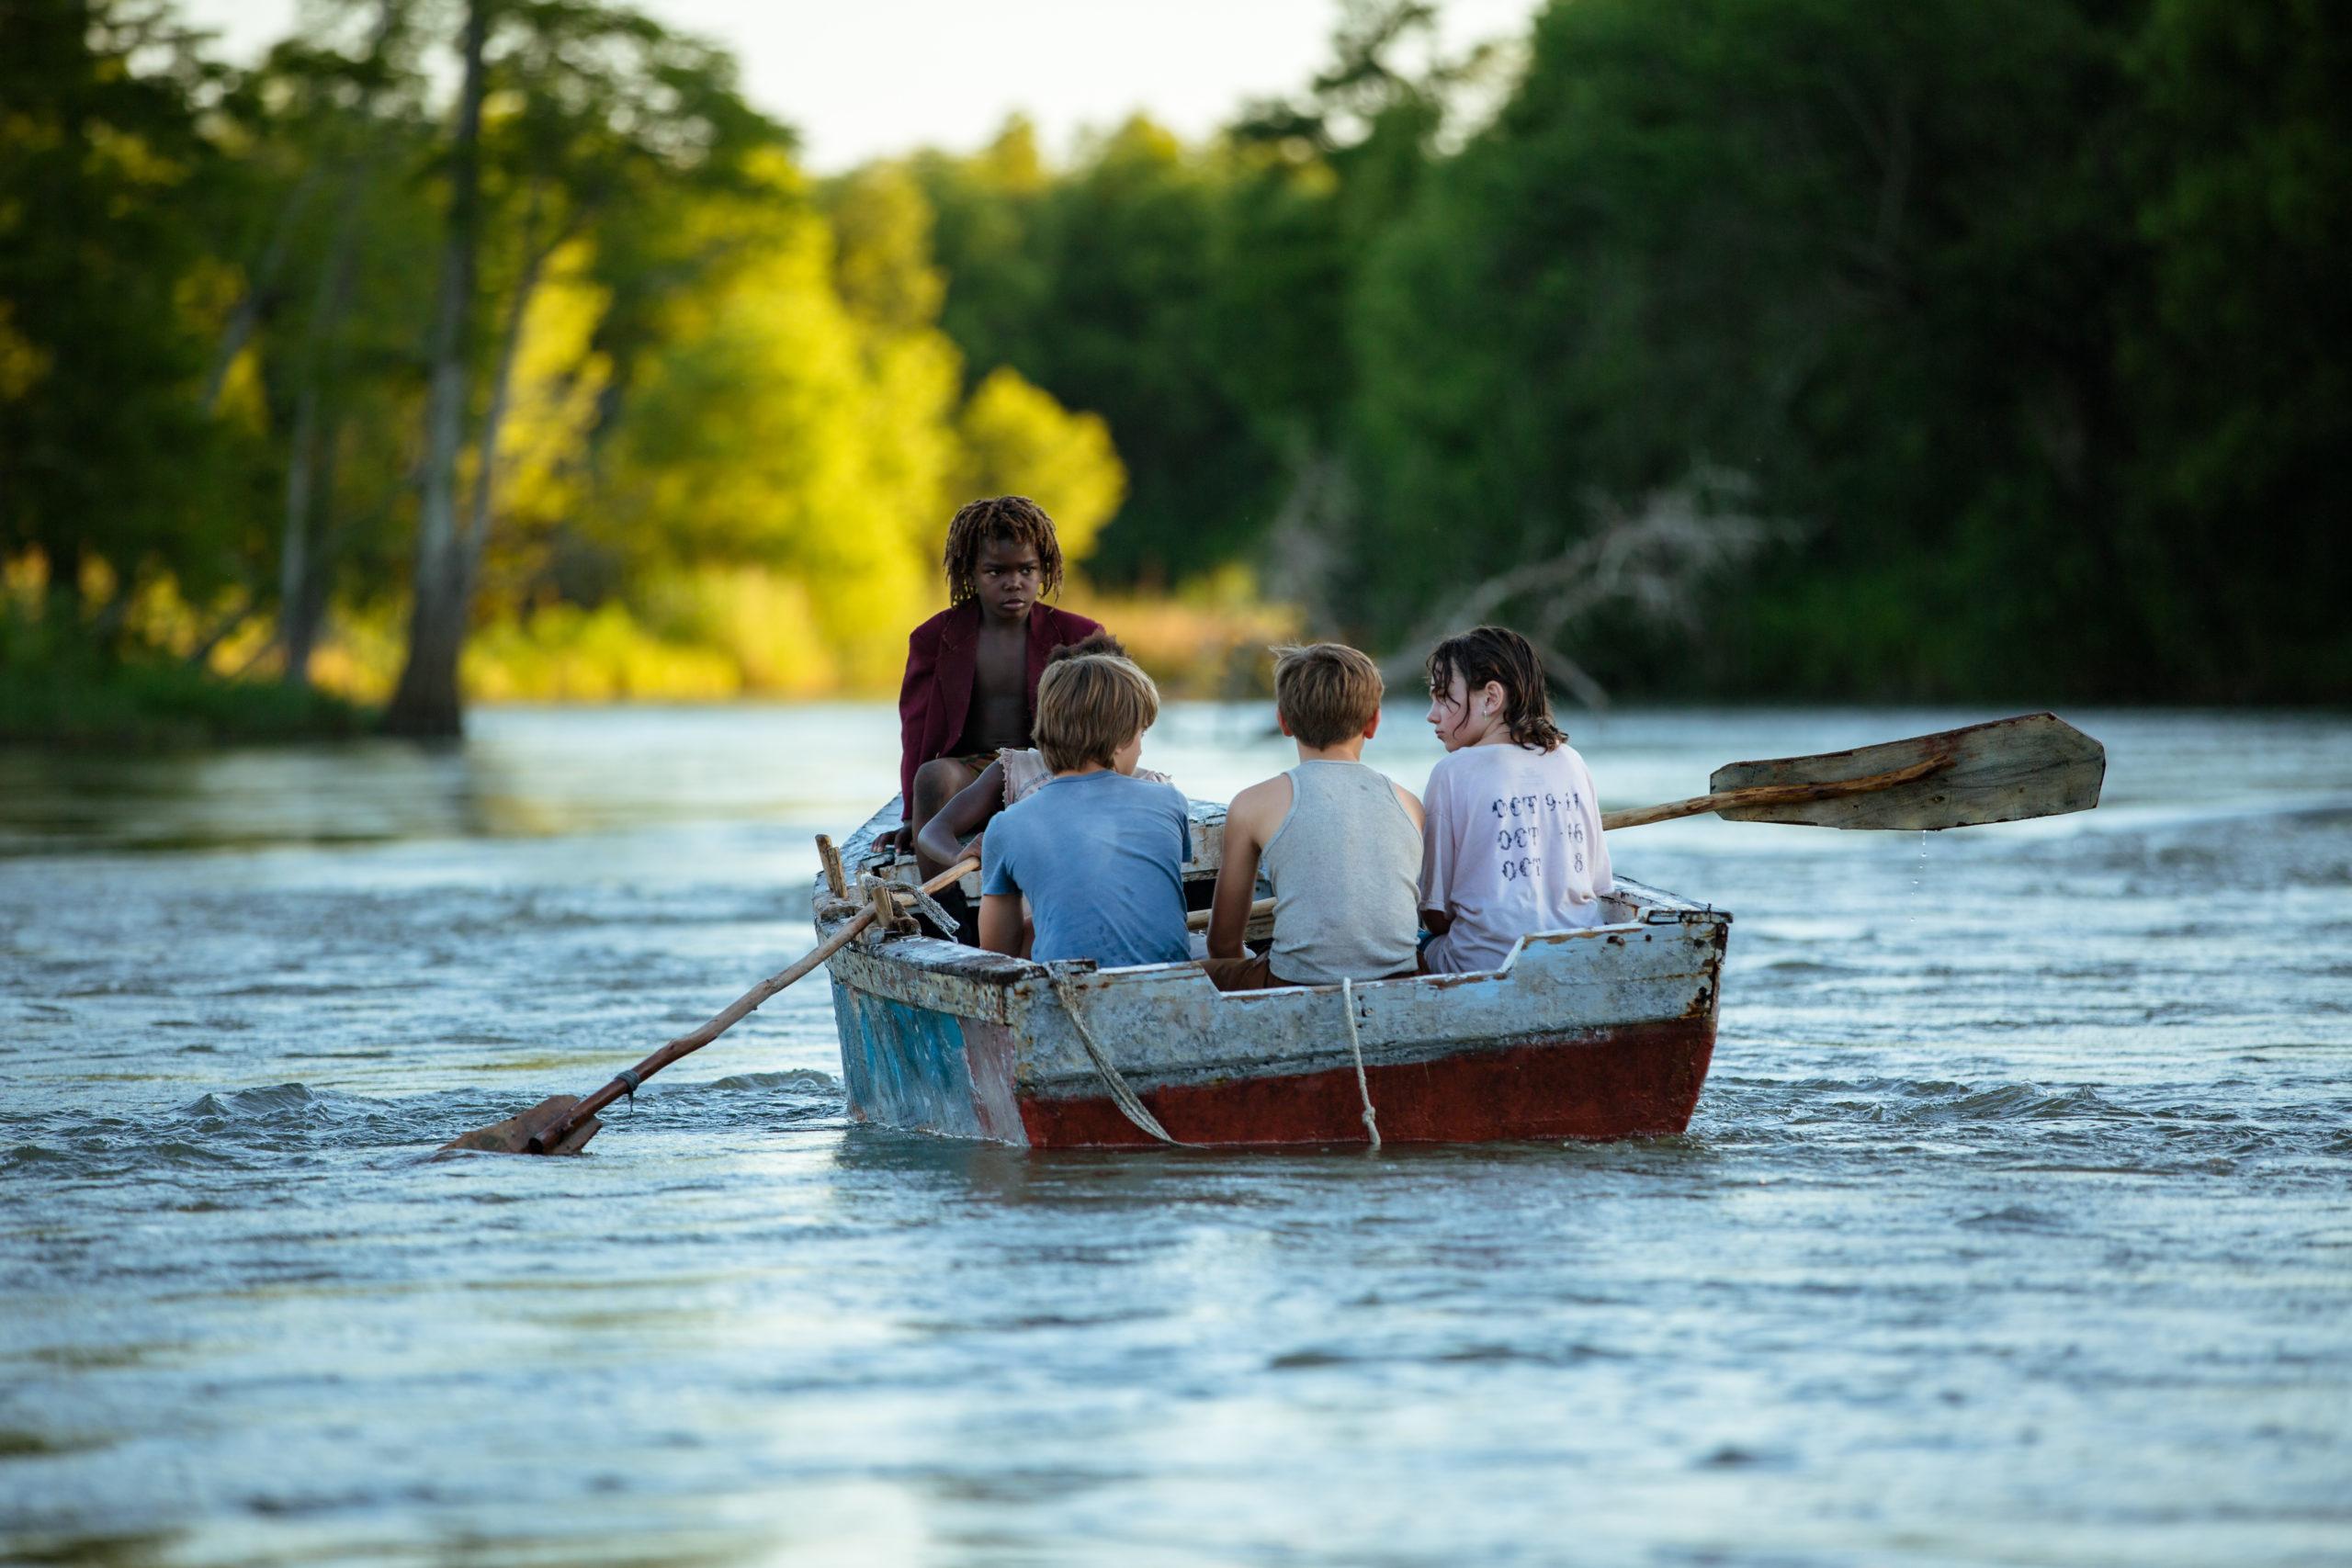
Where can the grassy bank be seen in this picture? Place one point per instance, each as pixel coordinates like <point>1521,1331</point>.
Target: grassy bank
<point>147,704</point>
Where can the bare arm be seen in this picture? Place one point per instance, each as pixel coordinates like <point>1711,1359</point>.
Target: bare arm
<point>1237,871</point>
<point>1436,860</point>
<point>1001,923</point>
<point>922,657</point>
<point>939,845</point>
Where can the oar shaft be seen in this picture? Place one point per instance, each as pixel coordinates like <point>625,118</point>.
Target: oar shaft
<point>733,1014</point>
<point>1770,795</point>
<point>1198,920</point>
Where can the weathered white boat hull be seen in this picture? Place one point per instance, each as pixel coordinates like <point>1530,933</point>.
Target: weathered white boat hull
<point>1598,1033</point>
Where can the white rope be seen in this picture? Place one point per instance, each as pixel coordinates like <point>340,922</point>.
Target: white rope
<point>1129,1105</point>
<point>1355,1045</point>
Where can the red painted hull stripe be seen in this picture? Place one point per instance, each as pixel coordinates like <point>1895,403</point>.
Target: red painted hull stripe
<point>1639,1081</point>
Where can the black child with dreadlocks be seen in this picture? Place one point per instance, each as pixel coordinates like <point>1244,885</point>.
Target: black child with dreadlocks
<point>971,682</point>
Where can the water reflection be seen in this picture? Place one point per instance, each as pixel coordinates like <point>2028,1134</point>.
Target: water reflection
<point>520,773</point>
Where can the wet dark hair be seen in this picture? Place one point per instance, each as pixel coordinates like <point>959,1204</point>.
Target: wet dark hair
<point>1093,642</point>
<point>1016,518</point>
<point>1502,656</point>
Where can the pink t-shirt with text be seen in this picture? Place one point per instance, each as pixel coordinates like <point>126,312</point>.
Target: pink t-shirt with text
<point>1511,845</point>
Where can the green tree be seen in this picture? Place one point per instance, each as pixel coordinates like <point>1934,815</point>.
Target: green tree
<point>568,113</point>
<point>325,135</point>
<point>105,453</point>
<point>1828,249</point>
<point>2236,370</point>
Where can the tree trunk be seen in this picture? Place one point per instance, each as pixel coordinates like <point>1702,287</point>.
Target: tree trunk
<point>300,619</point>
<point>305,571</point>
<point>426,702</point>
<point>309,499</point>
<point>294,564</point>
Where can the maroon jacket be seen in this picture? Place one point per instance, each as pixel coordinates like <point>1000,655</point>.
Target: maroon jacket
<point>942,657</point>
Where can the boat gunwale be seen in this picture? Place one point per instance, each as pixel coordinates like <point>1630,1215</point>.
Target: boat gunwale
<point>936,958</point>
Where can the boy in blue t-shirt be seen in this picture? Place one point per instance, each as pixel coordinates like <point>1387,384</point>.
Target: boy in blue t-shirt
<point>1099,853</point>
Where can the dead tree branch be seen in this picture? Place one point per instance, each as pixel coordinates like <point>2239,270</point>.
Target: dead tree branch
<point>1653,560</point>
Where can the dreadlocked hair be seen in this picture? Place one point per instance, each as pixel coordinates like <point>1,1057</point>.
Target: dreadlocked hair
<point>1502,656</point>
<point>1011,517</point>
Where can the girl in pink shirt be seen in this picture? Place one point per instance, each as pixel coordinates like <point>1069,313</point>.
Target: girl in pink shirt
<point>1511,841</point>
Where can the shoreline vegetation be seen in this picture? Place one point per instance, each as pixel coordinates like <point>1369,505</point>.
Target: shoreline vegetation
<point>1731,353</point>
<point>181,677</point>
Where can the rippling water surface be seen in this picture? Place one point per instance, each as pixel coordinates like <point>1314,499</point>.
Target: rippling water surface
<point>2015,1226</point>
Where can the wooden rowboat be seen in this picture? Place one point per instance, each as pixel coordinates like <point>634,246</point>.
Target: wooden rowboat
<point>1598,1034</point>
<point>1604,1032</point>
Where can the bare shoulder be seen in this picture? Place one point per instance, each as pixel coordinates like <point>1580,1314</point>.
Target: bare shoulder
<point>1408,800</point>
<point>1259,811</point>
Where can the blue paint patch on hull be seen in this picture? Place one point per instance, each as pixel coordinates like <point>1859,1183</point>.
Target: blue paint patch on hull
<point>904,1066</point>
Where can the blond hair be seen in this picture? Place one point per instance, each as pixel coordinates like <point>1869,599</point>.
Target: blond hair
<point>1326,691</point>
<point>1090,706</point>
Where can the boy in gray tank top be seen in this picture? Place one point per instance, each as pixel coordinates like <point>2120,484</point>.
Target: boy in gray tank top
<point>1341,842</point>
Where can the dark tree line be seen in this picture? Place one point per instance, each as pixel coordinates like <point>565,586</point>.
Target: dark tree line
<point>2022,318</point>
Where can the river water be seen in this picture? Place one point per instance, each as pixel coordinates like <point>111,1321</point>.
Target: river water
<point>2015,1226</point>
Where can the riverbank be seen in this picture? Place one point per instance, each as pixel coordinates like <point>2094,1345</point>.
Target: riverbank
<point>59,691</point>
<point>152,704</point>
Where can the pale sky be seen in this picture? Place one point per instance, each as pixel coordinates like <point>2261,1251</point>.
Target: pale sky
<point>861,78</point>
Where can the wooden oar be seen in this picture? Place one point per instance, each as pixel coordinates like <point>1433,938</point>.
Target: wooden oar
<point>2034,765</point>
<point>562,1123</point>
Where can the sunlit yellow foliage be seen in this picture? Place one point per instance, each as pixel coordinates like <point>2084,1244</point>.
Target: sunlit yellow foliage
<point>715,634</point>
<point>22,363</point>
<point>130,157</point>
<point>769,431</point>
<point>769,503</point>
<point>552,403</point>
<point>244,400</point>
<point>760,619</point>
<point>1013,163</point>
<point>1208,640</point>
<point>24,578</point>
<point>566,654</point>
<point>797,436</point>
<point>882,241</point>
<point>360,656</point>
<point>1017,440</point>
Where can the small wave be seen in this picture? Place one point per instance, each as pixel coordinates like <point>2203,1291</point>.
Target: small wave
<point>1928,1101</point>
<point>1731,1456</point>
<point>2016,1217</point>
<point>247,1104</point>
<point>796,1080</point>
<point>1546,1356</point>
<point>1783,968</point>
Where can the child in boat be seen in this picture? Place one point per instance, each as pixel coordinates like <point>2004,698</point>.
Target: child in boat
<point>1098,854</point>
<point>971,684</point>
<point>1513,843</point>
<point>955,829</point>
<point>1341,841</point>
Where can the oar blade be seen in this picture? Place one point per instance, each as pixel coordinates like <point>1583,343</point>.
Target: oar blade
<point>2034,765</point>
<point>513,1136</point>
